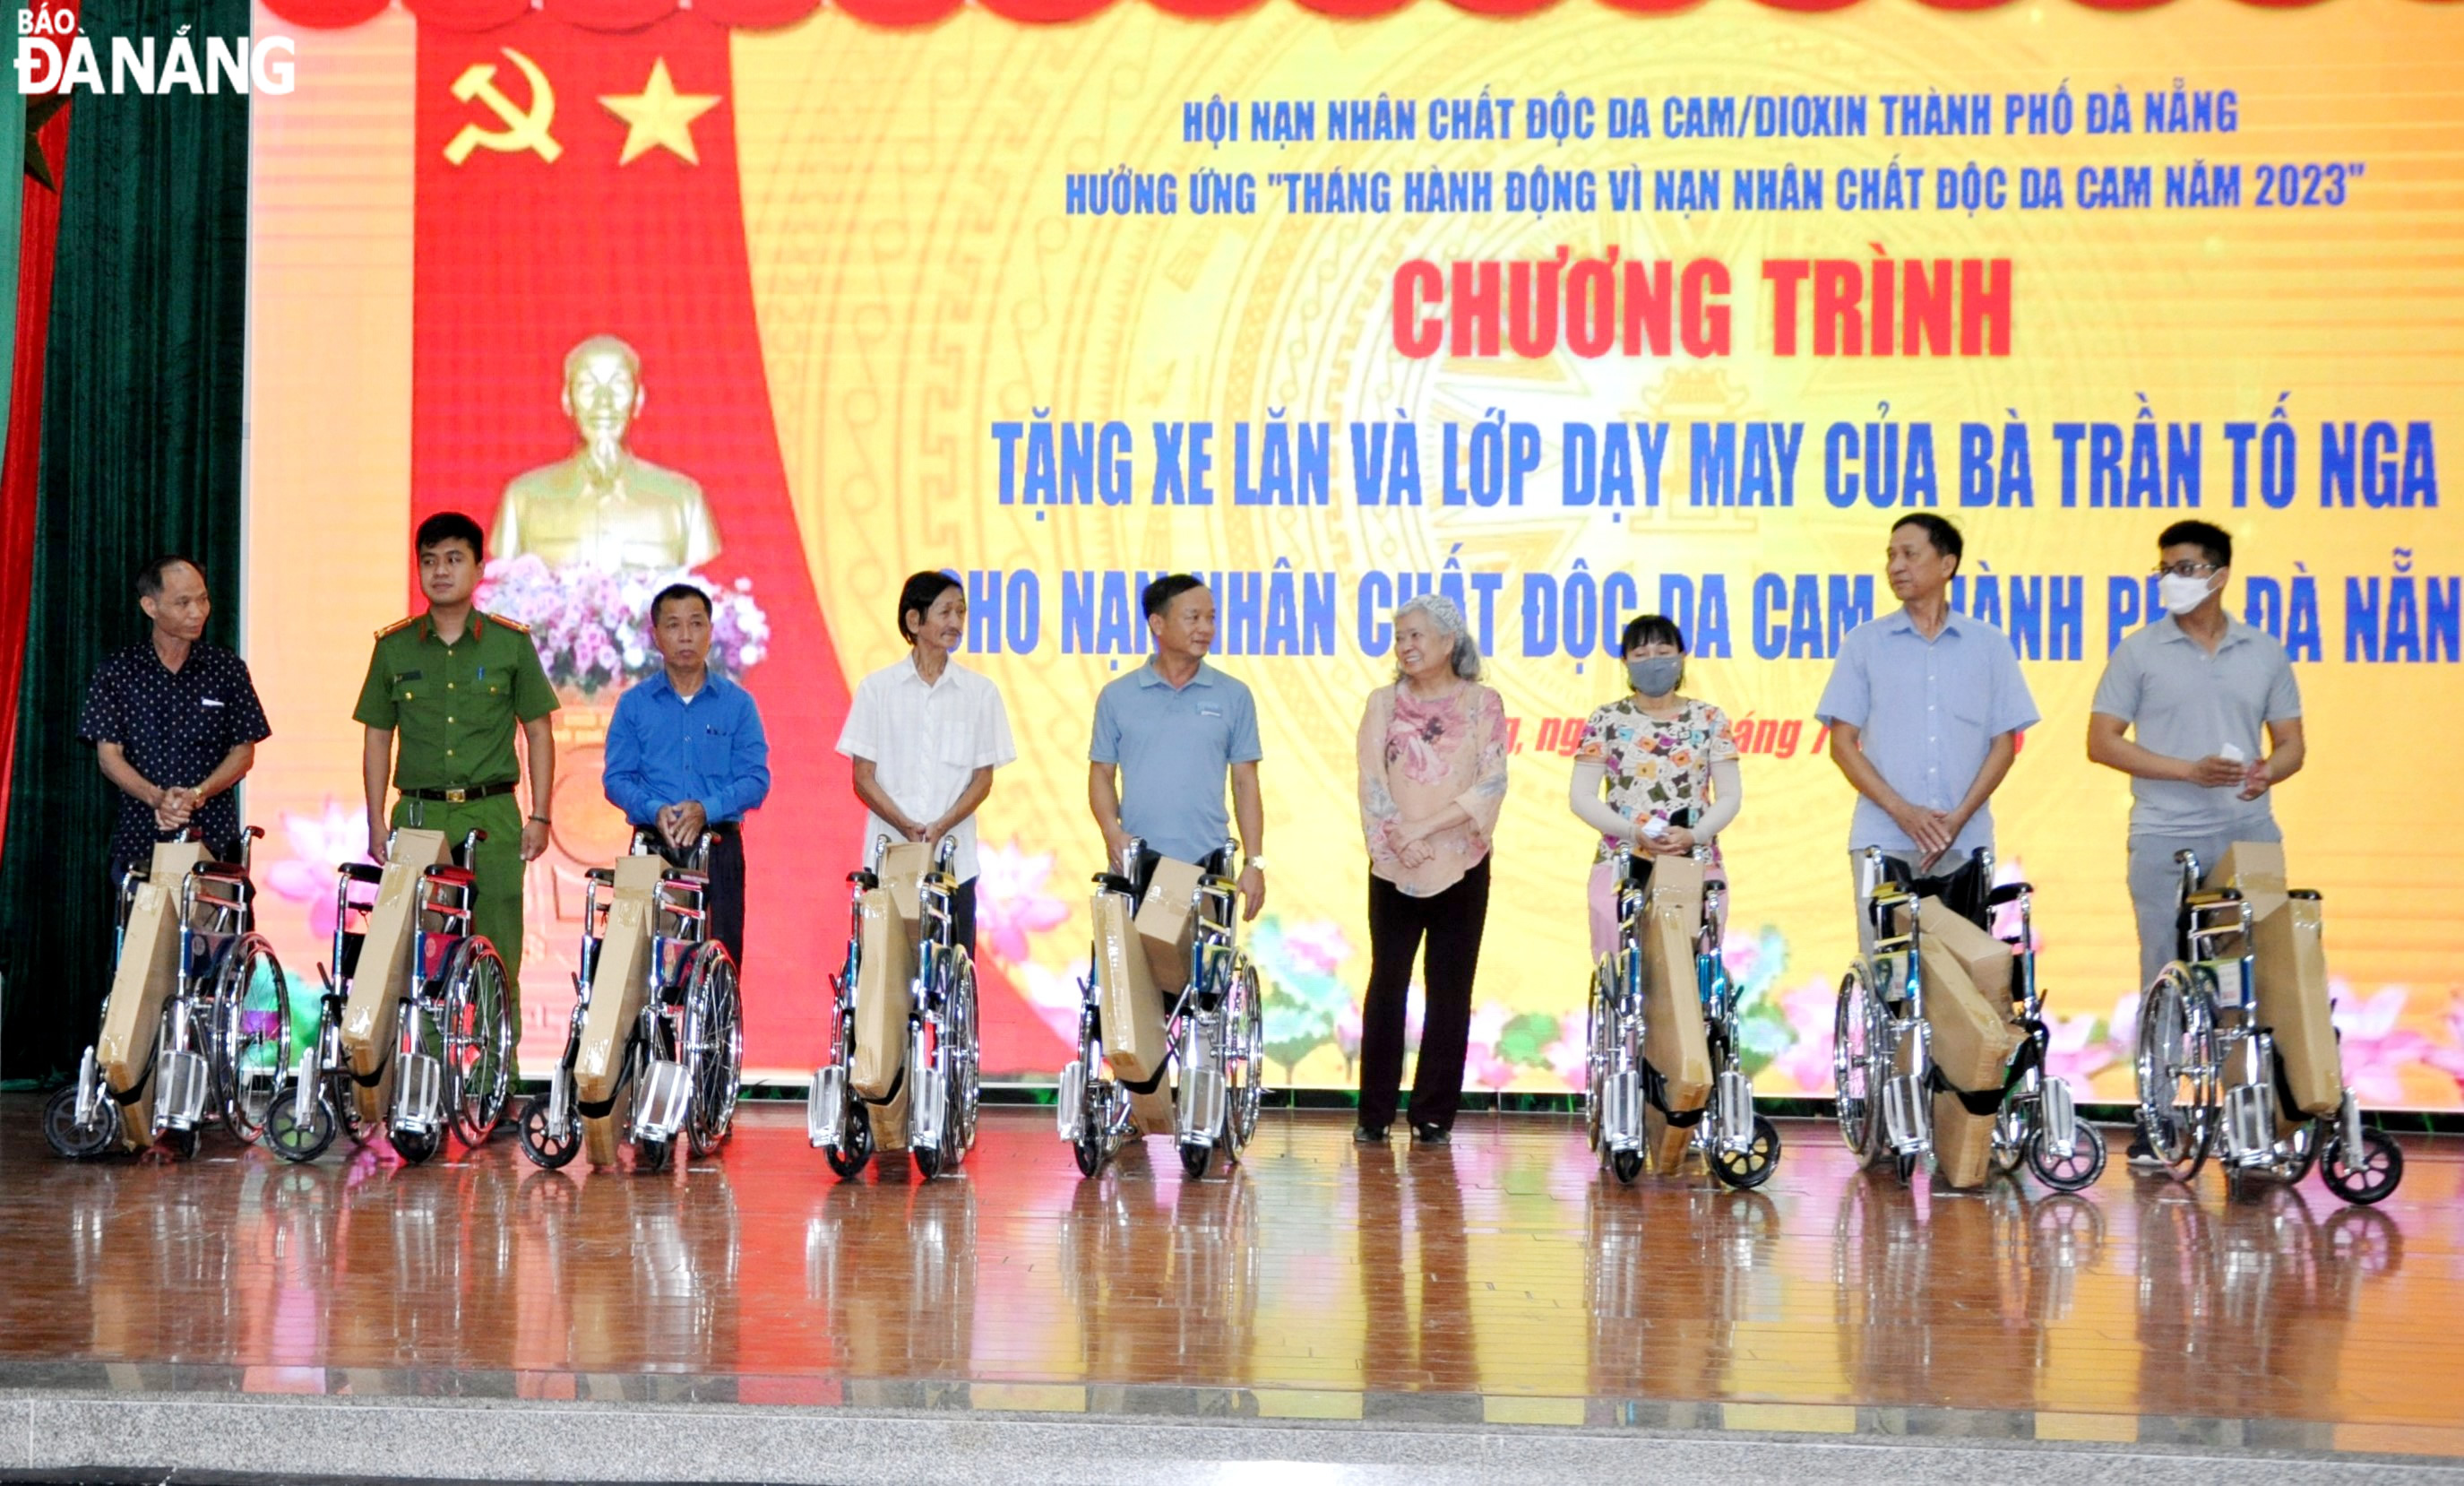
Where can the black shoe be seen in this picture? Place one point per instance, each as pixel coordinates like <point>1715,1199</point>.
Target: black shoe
<point>1430,1134</point>
<point>2140,1156</point>
<point>1369,1134</point>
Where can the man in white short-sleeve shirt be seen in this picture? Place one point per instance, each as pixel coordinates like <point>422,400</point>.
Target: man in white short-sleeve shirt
<point>925,735</point>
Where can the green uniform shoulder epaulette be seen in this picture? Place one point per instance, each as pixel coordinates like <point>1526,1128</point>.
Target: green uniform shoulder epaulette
<point>398,626</point>
<point>515,625</point>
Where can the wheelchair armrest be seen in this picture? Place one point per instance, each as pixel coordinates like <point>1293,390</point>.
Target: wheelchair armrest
<point>2308,895</point>
<point>604,877</point>
<point>2007,893</point>
<point>1115,882</point>
<point>865,878</point>
<point>363,872</point>
<point>2212,898</point>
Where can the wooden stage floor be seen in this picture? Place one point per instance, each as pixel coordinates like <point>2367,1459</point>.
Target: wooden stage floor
<point>1502,1280</point>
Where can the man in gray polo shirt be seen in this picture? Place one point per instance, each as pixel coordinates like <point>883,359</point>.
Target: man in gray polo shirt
<point>1926,707</point>
<point>2193,690</point>
<point>1166,737</point>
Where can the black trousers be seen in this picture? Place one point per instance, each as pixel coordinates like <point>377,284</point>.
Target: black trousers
<point>726,902</point>
<point>1451,925</point>
<point>962,917</point>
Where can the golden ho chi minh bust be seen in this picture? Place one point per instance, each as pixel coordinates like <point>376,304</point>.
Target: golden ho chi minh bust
<point>599,507</point>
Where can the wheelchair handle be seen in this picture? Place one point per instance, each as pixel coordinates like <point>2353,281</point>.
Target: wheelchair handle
<point>1131,849</point>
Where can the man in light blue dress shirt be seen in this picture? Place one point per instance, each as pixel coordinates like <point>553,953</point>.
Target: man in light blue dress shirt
<point>1924,707</point>
<point>1168,737</point>
<point>686,754</point>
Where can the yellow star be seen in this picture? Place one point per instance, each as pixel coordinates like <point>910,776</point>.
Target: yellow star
<point>659,115</point>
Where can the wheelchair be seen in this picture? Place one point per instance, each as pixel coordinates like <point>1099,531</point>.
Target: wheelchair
<point>314,1101</point>
<point>2211,1080</point>
<point>939,1082</point>
<point>1881,1052</point>
<point>447,1064</point>
<point>681,1065</point>
<point>1741,1147</point>
<point>1212,1036</point>
<point>217,1049</point>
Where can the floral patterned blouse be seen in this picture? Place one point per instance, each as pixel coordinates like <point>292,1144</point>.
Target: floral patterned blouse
<point>1419,757</point>
<point>1658,767</point>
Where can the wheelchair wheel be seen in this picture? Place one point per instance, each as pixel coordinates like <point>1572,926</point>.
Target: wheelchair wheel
<point>848,1158</point>
<point>1243,1058</point>
<point>1856,1056</point>
<point>478,1041</point>
<point>713,1046</point>
<point>2071,1171</point>
<point>2370,1177</point>
<point>287,1134</point>
<point>1195,1158</point>
<point>2176,1069</point>
<point>251,1018</point>
<point>414,1148</point>
<point>1600,1052</point>
<point>1751,1168</point>
<point>178,1144</point>
<point>74,1141</point>
<point>650,1157</point>
<point>1627,1164</point>
<point>965,1055</point>
<point>546,1145</point>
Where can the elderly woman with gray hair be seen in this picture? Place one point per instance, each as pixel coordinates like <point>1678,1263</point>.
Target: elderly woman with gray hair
<point>1432,781</point>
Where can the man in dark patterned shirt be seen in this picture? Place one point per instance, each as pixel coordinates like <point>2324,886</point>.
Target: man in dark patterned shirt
<point>174,721</point>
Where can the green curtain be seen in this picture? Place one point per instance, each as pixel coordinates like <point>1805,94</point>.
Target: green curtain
<point>142,424</point>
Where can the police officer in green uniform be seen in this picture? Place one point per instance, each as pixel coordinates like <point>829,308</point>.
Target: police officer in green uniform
<point>452,683</point>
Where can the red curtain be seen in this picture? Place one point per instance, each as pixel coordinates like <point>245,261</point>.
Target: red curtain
<point>39,244</point>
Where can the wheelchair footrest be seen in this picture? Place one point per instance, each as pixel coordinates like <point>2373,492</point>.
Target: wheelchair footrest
<point>1906,1120</point>
<point>1071,1106</point>
<point>1733,1112</point>
<point>90,1094</point>
<point>1201,1106</point>
<point>1621,1110</point>
<point>929,1109</point>
<point>2250,1123</point>
<point>180,1080</point>
<point>2060,1115</point>
<point>826,1109</point>
<point>419,1093</point>
<point>659,1110</point>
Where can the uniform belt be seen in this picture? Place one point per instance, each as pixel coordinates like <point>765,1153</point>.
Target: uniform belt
<point>462,796</point>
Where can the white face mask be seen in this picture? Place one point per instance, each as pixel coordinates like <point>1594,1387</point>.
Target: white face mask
<point>2180,595</point>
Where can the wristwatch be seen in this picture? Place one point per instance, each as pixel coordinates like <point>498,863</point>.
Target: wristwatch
<point>1258,862</point>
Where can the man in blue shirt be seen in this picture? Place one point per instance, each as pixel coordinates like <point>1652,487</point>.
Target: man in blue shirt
<point>686,754</point>
<point>1167,735</point>
<point>1926,707</point>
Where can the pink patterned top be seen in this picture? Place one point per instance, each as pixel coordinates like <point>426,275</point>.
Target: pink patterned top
<point>1417,757</point>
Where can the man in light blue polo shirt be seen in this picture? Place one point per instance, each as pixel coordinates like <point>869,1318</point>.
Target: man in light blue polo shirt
<point>1167,736</point>
<point>1926,707</point>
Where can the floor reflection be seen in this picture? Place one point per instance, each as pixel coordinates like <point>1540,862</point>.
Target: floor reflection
<point>1506,1263</point>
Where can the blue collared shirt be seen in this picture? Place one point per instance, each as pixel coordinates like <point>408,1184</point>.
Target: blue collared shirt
<point>663,750</point>
<point>1175,748</point>
<point>1926,713</point>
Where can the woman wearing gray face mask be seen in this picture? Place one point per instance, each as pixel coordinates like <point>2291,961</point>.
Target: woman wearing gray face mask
<point>1669,764</point>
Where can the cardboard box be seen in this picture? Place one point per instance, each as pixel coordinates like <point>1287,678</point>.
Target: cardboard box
<point>384,967</point>
<point>1972,1033</point>
<point>1130,1003</point>
<point>902,870</point>
<point>1664,1145</point>
<point>620,984</point>
<point>1963,1144</point>
<point>889,1120</point>
<point>146,974</point>
<point>884,995</point>
<point>2252,867</point>
<point>1152,1114</point>
<point>2292,975</point>
<point>1167,922</point>
<point>1673,1037</point>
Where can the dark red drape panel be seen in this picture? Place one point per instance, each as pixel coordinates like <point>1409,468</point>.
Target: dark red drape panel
<point>39,244</point>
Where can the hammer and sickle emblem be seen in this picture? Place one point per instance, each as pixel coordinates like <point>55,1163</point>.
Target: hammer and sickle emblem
<point>525,128</point>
